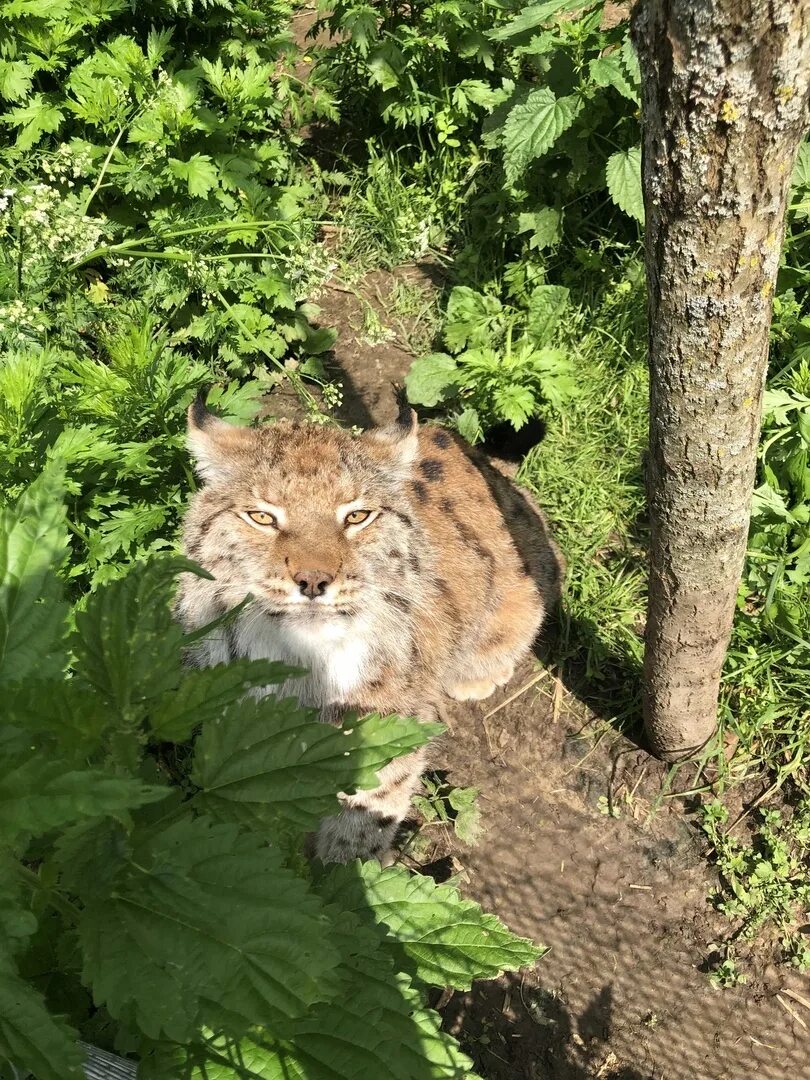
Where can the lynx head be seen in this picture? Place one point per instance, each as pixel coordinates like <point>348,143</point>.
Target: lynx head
<point>310,520</point>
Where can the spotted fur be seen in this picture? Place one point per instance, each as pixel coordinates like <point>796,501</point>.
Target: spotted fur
<point>440,592</point>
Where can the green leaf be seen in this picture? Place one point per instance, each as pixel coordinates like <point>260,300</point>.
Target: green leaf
<point>271,762</point>
<point>15,79</point>
<point>472,318</point>
<point>431,379</point>
<point>35,119</point>
<point>609,71</point>
<point>544,224</point>
<point>515,403</point>
<point>30,1038</point>
<point>33,542</point>
<point>127,643</point>
<point>467,822</point>
<point>623,176</point>
<point>203,694</point>
<point>630,58</point>
<point>375,1027</point>
<point>205,914</point>
<point>38,791</point>
<point>537,15</point>
<point>800,183</point>
<point>532,128</point>
<point>448,940</point>
<point>199,172</point>
<point>547,304</point>
<point>468,425</point>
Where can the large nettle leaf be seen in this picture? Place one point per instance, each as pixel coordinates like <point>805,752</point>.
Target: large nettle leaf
<point>127,643</point>
<point>376,1026</point>
<point>533,126</point>
<point>30,1037</point>
<point>204,918</point>
<point>447,940</point>
<point>33,540</point>
<point>623,177</point>
<point>39,790</point>
<point>270,762</point>
<point>202,695</point>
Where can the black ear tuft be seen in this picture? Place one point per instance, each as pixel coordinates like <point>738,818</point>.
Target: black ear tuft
<point>198,413</point>
<point>405,413</point>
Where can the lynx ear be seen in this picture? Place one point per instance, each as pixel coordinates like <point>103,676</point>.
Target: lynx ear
<point>212,441</point>
<point>401,436</point>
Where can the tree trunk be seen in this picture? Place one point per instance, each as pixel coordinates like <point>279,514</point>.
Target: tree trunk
<point>724,105</point>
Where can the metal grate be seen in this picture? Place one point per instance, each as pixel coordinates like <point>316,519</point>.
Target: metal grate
<point>103,1066</point>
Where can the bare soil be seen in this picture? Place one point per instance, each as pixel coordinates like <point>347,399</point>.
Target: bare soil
<point>620,901</point>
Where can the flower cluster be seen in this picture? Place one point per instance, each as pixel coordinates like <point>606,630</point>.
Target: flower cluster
<point>49,225</point>
<point>20,323</point>
<point>67,165</point>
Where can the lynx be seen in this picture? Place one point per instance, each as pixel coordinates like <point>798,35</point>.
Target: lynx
<point>396,566</point>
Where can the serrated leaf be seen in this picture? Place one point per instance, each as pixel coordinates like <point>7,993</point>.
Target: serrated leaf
<point>30,1038</point>
<point>205,914</point>
<point>537,15</point>
<point>199,172</point>
<point>38,791</point>
<point>202,695</point>
<point>127,643</point>
<point>448,940</point>
<point>532,128</point>
<point>800,183</point>
<point>630,58</point>
<point>468,425</point>
<point>609,70</point>
<point>34,119</point>
<point>514,403</point>
<point>271,762</point>
<point>472,318</point>
<point>15,79</point>
<point>623,177</point>
<point>33,542</point>
<point>376,1027</point>
<point>431,379</point>
<point>547,305</point>
<point>545,226</point>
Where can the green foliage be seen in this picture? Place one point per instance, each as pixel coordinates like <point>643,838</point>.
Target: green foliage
<point>156,230</point>
<point>505,365</point>
<point>179,896</point>
<point>454,807</point>
<point>764,883</point>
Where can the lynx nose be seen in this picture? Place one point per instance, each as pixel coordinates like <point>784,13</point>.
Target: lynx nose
<point>313,583</point>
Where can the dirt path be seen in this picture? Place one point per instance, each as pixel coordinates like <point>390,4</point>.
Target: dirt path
<point>620,901</point>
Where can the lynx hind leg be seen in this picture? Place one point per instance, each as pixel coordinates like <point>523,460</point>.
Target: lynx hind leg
<point>506,642</point>
<point>368,823</point>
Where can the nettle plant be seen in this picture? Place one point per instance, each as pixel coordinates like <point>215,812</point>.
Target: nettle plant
<point>153,895</point>
<point>569,125</point>
<point>428,68</point>
<point>153,166</point>
<point>501,364</point>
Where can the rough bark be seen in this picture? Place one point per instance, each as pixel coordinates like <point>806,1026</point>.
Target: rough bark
<point>724,105</point>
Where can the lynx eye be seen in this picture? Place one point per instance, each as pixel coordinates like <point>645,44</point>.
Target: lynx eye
<point>355,517</point>
<point>261,517</point>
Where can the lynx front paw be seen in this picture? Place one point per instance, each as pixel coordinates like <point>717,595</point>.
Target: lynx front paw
<point>478,689</point>
<point>356,834</point>
<point>474,690</point>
